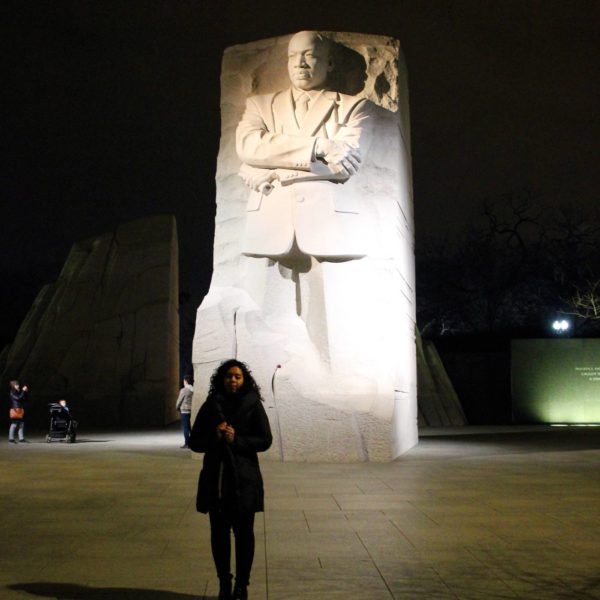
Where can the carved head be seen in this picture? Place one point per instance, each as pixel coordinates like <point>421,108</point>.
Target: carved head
<point>309,60</point>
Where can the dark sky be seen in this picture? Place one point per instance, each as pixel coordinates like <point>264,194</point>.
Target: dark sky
<point>111,112</point>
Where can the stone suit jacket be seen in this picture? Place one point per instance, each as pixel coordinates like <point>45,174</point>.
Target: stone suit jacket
<point>310,202</point>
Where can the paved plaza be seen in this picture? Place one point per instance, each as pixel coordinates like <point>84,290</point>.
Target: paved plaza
<point>468,514</point>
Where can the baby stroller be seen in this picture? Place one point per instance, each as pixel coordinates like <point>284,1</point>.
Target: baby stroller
<point>62,426</point>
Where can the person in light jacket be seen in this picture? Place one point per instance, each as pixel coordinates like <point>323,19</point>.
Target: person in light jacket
<point>230,428</point>
<point>184,406</point>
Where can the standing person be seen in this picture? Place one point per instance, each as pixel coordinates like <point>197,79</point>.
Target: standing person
<point>71,422</point>
<point>184,406</point>
<point>231,427</point>
<point>17,399</point>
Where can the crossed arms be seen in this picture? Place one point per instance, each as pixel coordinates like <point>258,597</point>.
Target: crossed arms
<point>269,156</point>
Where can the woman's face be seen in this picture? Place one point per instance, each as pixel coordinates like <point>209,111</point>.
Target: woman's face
<point>234,379</point>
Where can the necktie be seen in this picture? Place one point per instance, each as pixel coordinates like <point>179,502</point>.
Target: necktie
<point>302,107</point>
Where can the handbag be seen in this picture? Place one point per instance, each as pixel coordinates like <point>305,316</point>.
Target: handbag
<point>16,413</point>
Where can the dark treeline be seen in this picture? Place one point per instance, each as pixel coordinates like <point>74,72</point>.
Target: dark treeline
<point>514,272</point>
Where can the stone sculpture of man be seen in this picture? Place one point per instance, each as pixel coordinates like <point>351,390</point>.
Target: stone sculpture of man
<point>301,148</point>
<point>314,273</point>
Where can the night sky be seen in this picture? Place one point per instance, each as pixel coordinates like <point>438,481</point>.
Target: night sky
<point>111,112</point>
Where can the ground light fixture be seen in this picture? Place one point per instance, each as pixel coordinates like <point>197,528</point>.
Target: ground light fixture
<point>560,326</point>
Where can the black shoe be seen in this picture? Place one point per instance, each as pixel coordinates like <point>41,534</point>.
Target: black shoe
<point>225,588</point>
<point>240,592</point>
<point>24,442</point>
<point>12,441</point>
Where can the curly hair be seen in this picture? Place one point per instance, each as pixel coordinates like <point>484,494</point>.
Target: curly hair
<point>217,380</point>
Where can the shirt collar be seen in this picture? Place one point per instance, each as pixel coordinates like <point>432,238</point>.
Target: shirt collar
<point>312,94</point>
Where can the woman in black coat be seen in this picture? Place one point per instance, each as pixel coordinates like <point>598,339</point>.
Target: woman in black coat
<point>230,428</point>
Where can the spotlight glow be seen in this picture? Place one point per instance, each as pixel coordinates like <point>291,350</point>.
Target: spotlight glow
<point>560,326</point>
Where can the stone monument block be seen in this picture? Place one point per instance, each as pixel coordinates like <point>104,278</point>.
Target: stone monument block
<point>439,405</point>
<point>313,280</point>
<point>106,334</point>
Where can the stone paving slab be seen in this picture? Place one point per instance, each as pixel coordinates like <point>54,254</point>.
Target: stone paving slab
<point>470,514</point>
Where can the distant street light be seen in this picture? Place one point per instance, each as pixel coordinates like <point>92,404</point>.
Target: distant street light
<point>560,326</point>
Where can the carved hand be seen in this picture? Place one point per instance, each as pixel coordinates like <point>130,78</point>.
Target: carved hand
<point>339,154</point>
<point>261,182</point>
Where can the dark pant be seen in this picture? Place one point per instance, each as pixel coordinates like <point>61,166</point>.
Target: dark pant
<point>221,524</point>
<point>186,426</point>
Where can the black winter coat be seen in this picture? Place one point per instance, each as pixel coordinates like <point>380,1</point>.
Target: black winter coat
<point>17,398</point>
<point>230,476</point>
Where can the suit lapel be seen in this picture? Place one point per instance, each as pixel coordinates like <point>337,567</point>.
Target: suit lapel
<point>319,110</point>
<point>283,113</point>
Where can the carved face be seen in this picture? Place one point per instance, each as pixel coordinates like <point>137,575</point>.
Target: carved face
<point>309,62</point>
<point>234,380</point>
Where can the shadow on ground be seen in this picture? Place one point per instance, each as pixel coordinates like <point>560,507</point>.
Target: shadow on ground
<point>71,591</point>
<point>80,441</point>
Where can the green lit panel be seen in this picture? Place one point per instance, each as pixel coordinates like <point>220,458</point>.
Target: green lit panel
<point>556,381</point>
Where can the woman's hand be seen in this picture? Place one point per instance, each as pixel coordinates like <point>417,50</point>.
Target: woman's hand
<point>221,427</point>
<point>229,433</point>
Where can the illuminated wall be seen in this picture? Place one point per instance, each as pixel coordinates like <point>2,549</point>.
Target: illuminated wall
<point>556,380</point>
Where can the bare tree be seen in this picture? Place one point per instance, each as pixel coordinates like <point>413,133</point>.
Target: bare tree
<point>585,302</point>
<point>512,272</point>
<point>514,217</point>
